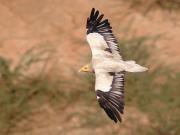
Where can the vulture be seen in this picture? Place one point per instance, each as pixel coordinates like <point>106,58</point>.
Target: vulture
<point>108,65</point>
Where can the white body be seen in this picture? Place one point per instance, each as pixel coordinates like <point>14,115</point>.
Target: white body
<point>104,62</point>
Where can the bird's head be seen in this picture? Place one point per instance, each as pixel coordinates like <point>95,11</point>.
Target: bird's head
<point>86,68</point>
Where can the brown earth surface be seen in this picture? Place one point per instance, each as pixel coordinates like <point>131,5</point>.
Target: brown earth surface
<point>46,121</point>
<point>61,23</point>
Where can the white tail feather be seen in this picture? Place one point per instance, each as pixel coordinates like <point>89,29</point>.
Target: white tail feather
<point>131,66</point>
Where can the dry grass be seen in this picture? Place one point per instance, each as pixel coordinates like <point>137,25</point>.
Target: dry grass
<point>144,91</point>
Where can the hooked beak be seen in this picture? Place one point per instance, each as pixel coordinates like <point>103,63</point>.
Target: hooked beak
<point>80,70</point>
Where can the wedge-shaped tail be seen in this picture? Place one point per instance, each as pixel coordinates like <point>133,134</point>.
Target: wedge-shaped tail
<point>132,66</point>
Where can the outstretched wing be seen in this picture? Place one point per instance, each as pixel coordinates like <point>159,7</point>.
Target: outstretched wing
<point>100,35</point>
<point>110,93</point>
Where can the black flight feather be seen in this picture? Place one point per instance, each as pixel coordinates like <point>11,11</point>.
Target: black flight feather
<point>112,101</point>
<point>95,24</point>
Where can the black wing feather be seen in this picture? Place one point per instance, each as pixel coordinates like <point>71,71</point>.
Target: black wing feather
<point>113,101</point>
<point>95,24</point>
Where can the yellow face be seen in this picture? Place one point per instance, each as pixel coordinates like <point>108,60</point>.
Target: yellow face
<point>85,68</point>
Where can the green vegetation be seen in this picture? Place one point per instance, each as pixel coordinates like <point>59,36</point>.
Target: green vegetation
<point>18,89</point>
<point>155,93</point>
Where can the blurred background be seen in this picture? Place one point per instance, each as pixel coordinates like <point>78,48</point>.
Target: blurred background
<point>42,46</point>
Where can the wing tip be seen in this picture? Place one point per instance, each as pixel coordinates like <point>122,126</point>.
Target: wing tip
<point>93,20</point>
<point>111,109</point>
<point>112,113</point>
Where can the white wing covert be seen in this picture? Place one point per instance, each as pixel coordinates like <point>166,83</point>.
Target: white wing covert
<point>98,29</point>
<point>109,85</point>
<point>112,101</point>
<point>108,65</point>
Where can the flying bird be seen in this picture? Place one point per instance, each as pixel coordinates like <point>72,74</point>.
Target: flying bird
<point>108,65</point>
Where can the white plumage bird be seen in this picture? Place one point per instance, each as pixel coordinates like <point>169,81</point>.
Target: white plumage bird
<point>108,65</point>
